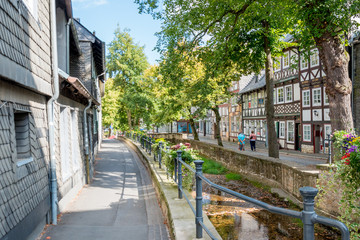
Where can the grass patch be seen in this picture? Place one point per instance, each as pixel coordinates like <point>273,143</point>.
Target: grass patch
<point>213,167</point>
<point>233,176</point>
<point>260,185</point>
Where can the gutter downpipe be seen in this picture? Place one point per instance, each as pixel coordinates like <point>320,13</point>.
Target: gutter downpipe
<point>87,143</point>
<point>50,113</point>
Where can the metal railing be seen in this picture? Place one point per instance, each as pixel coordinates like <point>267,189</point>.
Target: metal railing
<point>308,215</point>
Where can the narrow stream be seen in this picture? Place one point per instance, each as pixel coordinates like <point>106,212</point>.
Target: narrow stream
<point>237,219</point>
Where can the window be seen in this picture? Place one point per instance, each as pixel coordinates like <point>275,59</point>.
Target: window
<point>288,92</point>
<point>277,64</point>
<point>306,98</point>
<point>282,130</point>
<point>326,98</point>
<point>327,131</point>
<point>307,133</point>
<point>32,6</point>
<point>286,60</point>
<point>280,95</point>
<point>304,62</point>
<point>290,131</point>
<point>316,96</point>
<point>22,135</point>
<point>65,148</point>
<point>314,58</point>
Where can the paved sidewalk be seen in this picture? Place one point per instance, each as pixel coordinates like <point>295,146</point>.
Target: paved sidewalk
<point>120,203</point>
<point>291,157</point>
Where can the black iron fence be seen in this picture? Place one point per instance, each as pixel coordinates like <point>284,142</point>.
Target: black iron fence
<point>308,215</point>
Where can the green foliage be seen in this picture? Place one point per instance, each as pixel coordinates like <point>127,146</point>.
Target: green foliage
<point>127,99</point>
<point>346,178</point>
<point>213,167</point>
<point>233,176</point>
<point>188,155</point>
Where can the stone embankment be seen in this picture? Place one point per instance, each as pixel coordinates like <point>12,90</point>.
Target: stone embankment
<point>284,177</point>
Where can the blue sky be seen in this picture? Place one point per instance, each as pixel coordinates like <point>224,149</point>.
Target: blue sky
<point>103,16</point>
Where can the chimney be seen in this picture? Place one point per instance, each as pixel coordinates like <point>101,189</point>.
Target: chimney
<point>94,33</point>
<point>77,19</point>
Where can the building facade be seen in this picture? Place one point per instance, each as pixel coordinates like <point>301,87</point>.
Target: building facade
<point>26,85</point>
<point>315,118</point>
<point>287,100</point>
<point>253,107</point>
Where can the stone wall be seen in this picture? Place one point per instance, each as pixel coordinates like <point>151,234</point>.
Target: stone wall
<point>267,170</point>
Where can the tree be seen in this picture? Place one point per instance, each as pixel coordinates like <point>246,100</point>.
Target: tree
<point>246,34</point>
<point>325,24</point>
<point>126,63</point>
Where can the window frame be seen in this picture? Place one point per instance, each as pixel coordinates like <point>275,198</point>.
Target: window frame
<point>282,129</point>
<point>287,131</point>
<point>309,139</point>
<point>277,60</point>
<point>286,56</point>
<point>313,97</point>
<point>277,94</point>
<point>302,61</point>
<point>314,53</point>
<point>326,97</point>
<point>303,98</point>
<point>326,126</point>
<point>20,161</point>
<point>286,93</point>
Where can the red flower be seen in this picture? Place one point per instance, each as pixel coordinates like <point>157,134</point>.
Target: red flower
<point>345,156</point>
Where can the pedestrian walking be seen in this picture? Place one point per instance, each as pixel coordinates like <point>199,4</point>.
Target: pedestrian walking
<point>253,141</point>
<point>241,141</point>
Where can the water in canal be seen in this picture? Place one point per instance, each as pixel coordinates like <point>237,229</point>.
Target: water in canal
<point>237,219</point>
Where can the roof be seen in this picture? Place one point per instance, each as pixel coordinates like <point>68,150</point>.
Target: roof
<point>78,85</point>
<point>288,38</point>
<point>257,82</point>
<point>98,47</point>
<point>244,81</point>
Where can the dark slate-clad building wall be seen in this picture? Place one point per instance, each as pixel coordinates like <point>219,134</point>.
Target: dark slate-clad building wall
<point>25,85</point>
<point>25,45</point>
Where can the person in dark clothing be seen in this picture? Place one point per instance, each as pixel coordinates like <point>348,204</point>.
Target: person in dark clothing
<point>253,141</point>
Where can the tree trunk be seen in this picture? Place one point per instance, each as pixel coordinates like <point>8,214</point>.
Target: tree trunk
<point>335,61</point>
<point>269,104</point>
<point>192,124</point>
<point>128,113</point>
<point>217,125</point>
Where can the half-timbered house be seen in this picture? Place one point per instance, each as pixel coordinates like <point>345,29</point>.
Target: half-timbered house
<point>315,116</point>
<point>287,100</point>
<point>253,107</point>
